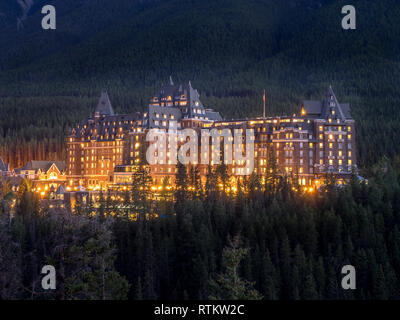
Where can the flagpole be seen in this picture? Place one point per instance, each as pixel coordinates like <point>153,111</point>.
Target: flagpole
<point>264,104</point>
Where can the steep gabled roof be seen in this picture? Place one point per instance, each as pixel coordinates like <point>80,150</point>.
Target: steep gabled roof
<point>331,103</point>
<point>104,106</point>
<point>44,166</point>
<point>312,107</point>
<point>3,166</point>
<point>322,109</point>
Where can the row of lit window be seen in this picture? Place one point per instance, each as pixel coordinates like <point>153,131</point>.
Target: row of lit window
<point>339,128</point>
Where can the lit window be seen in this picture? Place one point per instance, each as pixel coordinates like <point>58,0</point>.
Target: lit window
<point>330,162</point>
<point>349,162</point>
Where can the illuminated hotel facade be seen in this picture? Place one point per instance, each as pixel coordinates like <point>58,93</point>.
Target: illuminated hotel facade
<point>104,150</point>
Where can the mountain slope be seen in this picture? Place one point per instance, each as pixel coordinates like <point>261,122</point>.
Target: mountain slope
<point>231,50</point>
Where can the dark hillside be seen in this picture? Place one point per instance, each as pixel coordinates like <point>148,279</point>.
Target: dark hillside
<point>231,50</point>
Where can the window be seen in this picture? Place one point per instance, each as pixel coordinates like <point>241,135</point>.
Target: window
<point>349,136</point>
<point>349,162</point>
<point>349,129</point>
<point>331,145</point>
<point>321,161</point>
<point>321,128</point>
<point>340,162</point>
<point>321,145</point>
<point>330,162</point>
<point>321,136</point>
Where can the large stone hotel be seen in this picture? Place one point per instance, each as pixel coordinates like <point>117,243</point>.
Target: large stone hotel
<point>104,150</point>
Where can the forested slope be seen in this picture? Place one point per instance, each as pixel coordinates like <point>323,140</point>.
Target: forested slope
<point>231,50</point>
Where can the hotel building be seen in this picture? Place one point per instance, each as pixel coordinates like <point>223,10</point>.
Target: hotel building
<point>105,149</point>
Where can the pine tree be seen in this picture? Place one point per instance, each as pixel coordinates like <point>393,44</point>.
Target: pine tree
<point>141,191</point>
<point>181,187</point>
<point>228,284</point>
<point>379,289</point>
